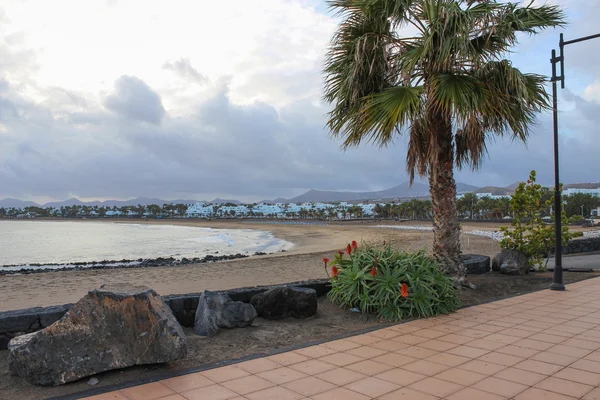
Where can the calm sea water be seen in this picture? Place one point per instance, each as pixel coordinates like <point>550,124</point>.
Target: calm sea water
<point>24,242</point>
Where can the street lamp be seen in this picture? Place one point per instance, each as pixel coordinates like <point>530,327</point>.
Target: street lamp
<point>557,282</point>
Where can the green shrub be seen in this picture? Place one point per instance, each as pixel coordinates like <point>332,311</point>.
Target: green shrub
<point>392,284</point>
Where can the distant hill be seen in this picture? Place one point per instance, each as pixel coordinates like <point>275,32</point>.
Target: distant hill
<point>16,203</point>
<point>496,191</point>
<point>224,201</point>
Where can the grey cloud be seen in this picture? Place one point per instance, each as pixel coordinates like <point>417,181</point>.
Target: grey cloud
<point>183,68</point>
<point>135,100</point>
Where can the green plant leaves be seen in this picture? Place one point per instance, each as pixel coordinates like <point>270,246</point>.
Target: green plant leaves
<point>430,292</point>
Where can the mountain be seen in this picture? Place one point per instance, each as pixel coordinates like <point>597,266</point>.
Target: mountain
<point>496,191</point>
<point>224,201</point>
<point>404,190</point>
<point>16,203</point>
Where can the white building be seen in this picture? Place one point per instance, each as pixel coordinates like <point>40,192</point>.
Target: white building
<point>593,192</point>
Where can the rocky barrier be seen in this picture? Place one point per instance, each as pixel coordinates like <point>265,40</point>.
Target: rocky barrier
<point>125,263</point>
<point>183,306</point>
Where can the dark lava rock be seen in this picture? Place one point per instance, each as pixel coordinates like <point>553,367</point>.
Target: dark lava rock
<point>113,327</point>
<point>217,310</point>
<point>476,263</point>
<point>511,262</point>
<point>284,301</point>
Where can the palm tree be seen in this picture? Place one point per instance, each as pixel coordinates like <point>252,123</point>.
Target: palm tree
<point>448,87</point>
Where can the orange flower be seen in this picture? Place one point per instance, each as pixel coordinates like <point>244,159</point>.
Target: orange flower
<point>354,244</point>
<point>325,260</point>
<point>349,249</point>
<point>373,272</point>
<point>404,290</point>
<point>335,272</point>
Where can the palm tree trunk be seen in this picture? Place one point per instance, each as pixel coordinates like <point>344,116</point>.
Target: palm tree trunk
<point>442,189</point>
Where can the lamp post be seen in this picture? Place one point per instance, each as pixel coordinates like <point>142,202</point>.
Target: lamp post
<point>557,282</point>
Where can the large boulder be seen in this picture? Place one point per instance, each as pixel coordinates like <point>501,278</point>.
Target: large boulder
<point>285,301</point>
<point>113,327</point>
<point>476,263</point>
<point>217,310</point>
<point>511,262</point>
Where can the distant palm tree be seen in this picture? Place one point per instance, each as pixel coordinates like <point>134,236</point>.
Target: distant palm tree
<point>447,86</point>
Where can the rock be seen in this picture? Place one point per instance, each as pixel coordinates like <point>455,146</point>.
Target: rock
<point>511,262</point>
<point>284,301</point>
<point>113,327</point>
<point>217,310</point>
<point>476,264</point>
<point>93,381</point>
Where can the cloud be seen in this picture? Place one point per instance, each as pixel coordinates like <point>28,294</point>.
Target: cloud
<point>133,99</point>
<point>183,68</point>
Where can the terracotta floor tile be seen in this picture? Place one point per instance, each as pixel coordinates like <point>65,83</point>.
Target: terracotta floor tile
<point>450,360</point>
<point>425,367</point>
<point>315,351</point>
<point>312,367</point>
<point>407,394</point>
<point>400,376</point>
<point>500,358</point>
<point>539,394</point>
<point>438,345</point>
<point>288,358</point>
<point>482,367</point>
<point>406,328</point>
<point>517,351</point>
<point>474,333</point>
<point>568,328</point>
<point>485,344</point>
<point>223,374</point>
<point>340,394</point>
<point>544,337</point>
<point>341,376</point>
<point>274,393</point>
<point>533,344</point>
<point>516,332</point>
<point>416,352</point>
<point>455,338</point>
<point>410,339</point>
<point>587,365</point>
<point>474,394</point>
<point>247,384</point>
<point>489,328</point>
<point>430,333</point>
<point>569,351</point>
<point>582,344</point>
<point>553,358</point>
<point>460,376</point>
<point>394,359</point>
<point>341,345</point>
<point>447,328</point>
<point>366,352</point>
<point>309,386</point>
<point>257,365</point>
<point>187,382</point>
<point>595,356</point>
<point>389,345</point>
<point>466,351</point>
<point>149,391</point>
<point>369,367</point>
<point>593,395</point>
<point>214,392</point>
<point>385,333</point>
<point>568,388</point>
<point>578,375</point>
<point>500,387</point>
<point>116,395</point>
<point>539,367</point>
<point>173,397</point>
<point>341,359</point>
<point>520,376</point>
<point>372,387</point>
<point>436,387</point>
<point>364,339</point>
<point>282,375</point>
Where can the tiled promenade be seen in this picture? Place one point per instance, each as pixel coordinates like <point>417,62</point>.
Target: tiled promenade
<point>543,345</point>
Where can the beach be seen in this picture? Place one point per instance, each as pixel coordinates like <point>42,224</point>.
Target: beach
<point>301,262</point>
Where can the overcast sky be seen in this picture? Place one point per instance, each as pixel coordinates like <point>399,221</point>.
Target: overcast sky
<point>192,99</point>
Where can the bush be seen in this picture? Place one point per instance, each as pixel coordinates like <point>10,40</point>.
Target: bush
<point>392,284</point>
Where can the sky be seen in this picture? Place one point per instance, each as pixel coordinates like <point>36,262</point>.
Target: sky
<point>115,99</point>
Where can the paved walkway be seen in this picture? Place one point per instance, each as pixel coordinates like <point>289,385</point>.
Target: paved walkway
<point>585,261</point>
<point>543,345</point>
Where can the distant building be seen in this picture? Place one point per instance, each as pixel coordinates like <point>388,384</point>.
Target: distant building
<point>593,192</point>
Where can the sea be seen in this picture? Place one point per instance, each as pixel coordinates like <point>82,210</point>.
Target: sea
<point>64,242</point>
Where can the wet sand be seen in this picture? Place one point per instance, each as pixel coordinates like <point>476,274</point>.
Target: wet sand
<point>311,244</point>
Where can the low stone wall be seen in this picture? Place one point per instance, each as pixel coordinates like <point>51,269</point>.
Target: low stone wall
<point>580,245</point>
<point>18,322</point>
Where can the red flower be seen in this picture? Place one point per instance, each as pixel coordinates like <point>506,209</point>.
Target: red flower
<point>404,290</point>
<point>354,244</point>
<point>349,249</point>
<point>335,272</point>
<point>373,272</point>
<point>325,260</point>
<point>341,253</point>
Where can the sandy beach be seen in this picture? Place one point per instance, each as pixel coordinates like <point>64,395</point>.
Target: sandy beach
<point>303,261</point>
